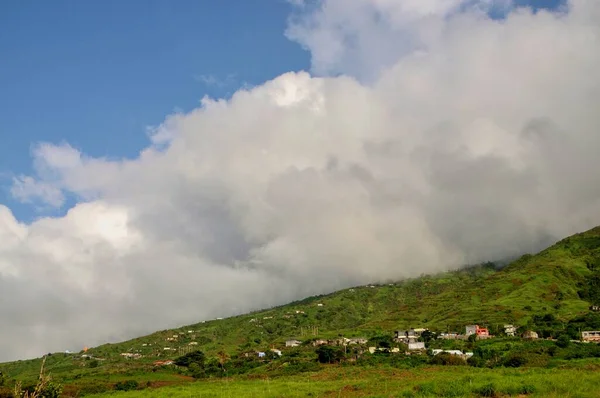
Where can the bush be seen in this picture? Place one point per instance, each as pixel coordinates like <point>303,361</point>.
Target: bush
<point>186,360</point>
<point>447,359</point>
<point>92,387</point>
<point>514,361</point>
<point>527,389</point>
<point>476,362</point>
<point>6,393</point>
<point>126,385</point>
<point>328,354</point>
<point>488,390</point>
<point>563,341</point>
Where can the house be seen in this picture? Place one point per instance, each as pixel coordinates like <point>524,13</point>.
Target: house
<point>395,350</point>
<point>410,335</point>
<point>450,352</point>
<point>293,343</point>
<point>510,330</point>
<point>320,342</point>
<point>590,336</point>
<point>476,330</point>
<point>417,345</point>
<point>595,308</point>
<point>319,305</point>
<point>130,355</point>
<point>450,336</point>
<point>276,351</point>
<point>163,363</point>
<point>372,350</point>
<point>405,336</point>
<point>261,354</point>
<point>530,335</point>
<point>299,312</point>
<point>458,353</point>
<point>193,343</point>
<point>357,340</point>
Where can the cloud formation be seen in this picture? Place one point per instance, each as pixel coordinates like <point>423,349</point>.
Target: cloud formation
<point>478,143</point>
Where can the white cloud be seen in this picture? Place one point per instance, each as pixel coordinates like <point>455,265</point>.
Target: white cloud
<point>480,145</point>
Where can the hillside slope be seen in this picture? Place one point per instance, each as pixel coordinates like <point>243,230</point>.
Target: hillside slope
<point>558,280</point>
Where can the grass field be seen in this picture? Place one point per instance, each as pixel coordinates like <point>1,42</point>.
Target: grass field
<point>339,381</point>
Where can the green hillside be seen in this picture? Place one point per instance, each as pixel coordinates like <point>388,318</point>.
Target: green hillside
<point>551,281</point>
<point>539,291</point>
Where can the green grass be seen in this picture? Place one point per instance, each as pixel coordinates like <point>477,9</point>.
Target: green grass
<point>339,381</point>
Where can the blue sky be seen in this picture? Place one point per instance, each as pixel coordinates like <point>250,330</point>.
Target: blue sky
<point>95,74</point>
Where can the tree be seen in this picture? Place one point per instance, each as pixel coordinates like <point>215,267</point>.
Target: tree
<point>428,335</point>
<point>563,341</point>
<point>223,357</point>
<point>197,357</point>
<point>328,354</point>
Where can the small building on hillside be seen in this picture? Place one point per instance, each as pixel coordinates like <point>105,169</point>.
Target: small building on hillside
<point>530,335</point>
<point>276,351</point>
<point>417,345</point>
<point>407,336</point>
<point>590,336</point>
<point>163,363</point>
<point>595,308</point>
<point>319,342</point>
<point>357,340</point>
<point>476,330</point>
<point>510,330</point>
<point>261,354</point>
<point>451,336</point>
<point>293,343</point>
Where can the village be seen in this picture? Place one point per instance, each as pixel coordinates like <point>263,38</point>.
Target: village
<point>409,341</point>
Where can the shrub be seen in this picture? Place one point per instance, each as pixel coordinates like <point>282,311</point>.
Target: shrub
<point>328,354</point>
<point>6,393</point>
<point>563,341</point>
<point>514,361</point>
<point>126,385</point>
<point>191,357</point>
<point>447,359</point>
<point>476,362</point>
<point>488,390</point>
<point>527,389</point>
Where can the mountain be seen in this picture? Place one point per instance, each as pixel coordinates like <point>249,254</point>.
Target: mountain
<point>563,280</point>
<point>552,281</point>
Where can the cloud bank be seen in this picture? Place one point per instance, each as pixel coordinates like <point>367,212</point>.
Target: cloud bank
<point>449,138</point>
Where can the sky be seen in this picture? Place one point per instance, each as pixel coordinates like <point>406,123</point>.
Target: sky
<point>157,155</point>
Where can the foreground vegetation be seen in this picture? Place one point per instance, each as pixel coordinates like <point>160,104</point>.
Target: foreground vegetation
<point>339,381</point>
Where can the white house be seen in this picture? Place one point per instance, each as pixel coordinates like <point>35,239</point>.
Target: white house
<point>510,330</point>
<point>293,343</point>
<point>590,336</point>
<point>417,345</point>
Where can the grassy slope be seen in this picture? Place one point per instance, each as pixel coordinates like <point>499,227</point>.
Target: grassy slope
<point>450,381</point>
<point>546,282</point>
